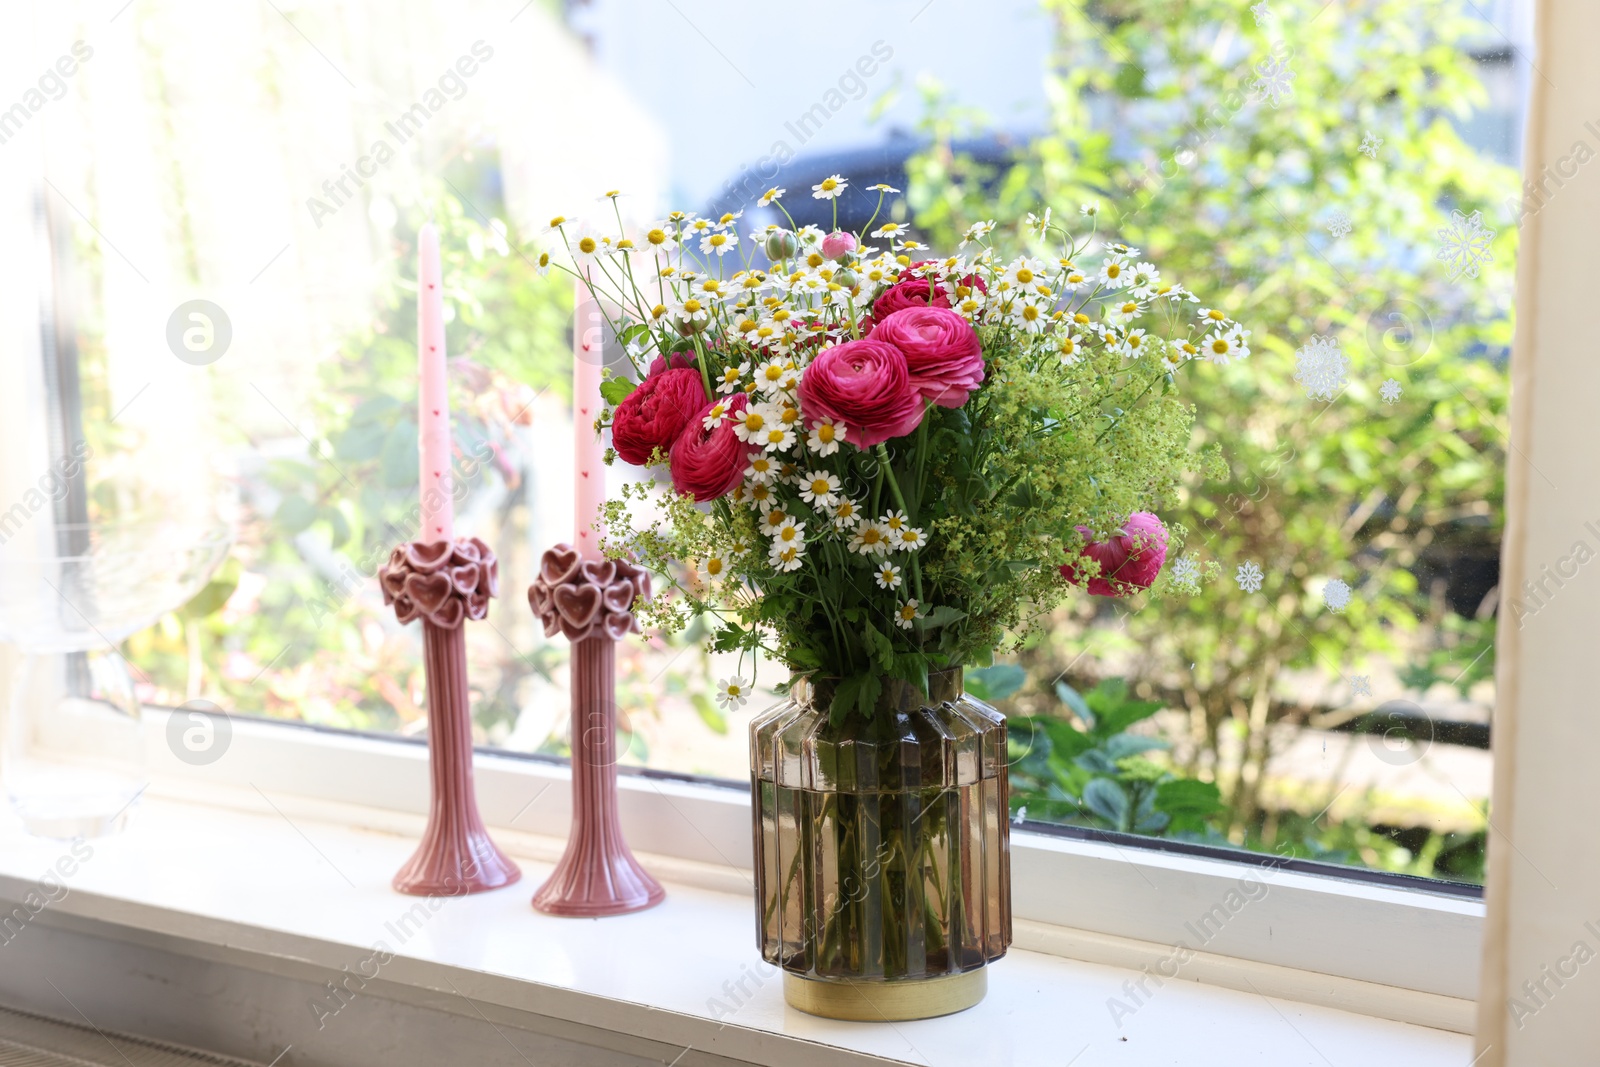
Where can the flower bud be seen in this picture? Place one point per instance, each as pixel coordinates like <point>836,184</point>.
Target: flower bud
<point>846,277</point>
<point>838,244</point>
<point>781,245</point>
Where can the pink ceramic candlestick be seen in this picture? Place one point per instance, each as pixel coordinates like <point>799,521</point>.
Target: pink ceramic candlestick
<point>433,410</point>
<point>591,602</point>
<point>589,471</point>
<point>444,583</point>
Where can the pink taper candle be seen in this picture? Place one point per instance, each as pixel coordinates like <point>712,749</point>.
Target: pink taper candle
<point>433,414</point>
<point>589,471</point>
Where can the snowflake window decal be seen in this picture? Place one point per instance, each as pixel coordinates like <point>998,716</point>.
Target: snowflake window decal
<point>1322,367</point>
<point>1360,686</point>
<point>1336,595</point>
<point>1340,224</point>
<point>1186,574</point>
<point>1261,11</point>
<point>1389,391</point>
<point>1249,576</point>
<point>1273,82</point>
<point>1464,244</point>
<point>1370,143</point>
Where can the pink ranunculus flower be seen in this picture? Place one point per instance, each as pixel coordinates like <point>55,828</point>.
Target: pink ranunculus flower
<point>865,385</point>
<point>705,463</point>
<point>655,413</point>
<point>1129,561</point>
<point>838,244</point>
<point>910,293</point>
<point>943,356</point>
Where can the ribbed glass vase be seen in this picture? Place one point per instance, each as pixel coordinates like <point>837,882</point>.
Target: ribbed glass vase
<point>883,866</point>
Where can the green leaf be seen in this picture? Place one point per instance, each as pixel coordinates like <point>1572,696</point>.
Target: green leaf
<point>709,713</point>
<point>294,514</point>
<point>398,464</point>
<point>616,390</point>
<point>995,683</point>
<point>943,615</point>
<point>214,593</point>
<point>1190,802</point>
<point>1107,799</point>
<point>1074,700</point>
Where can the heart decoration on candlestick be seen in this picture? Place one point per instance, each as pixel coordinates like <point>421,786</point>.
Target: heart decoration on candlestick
<point>590,602</point>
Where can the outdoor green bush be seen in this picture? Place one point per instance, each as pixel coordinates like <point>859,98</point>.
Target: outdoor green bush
<point>1156,113</point>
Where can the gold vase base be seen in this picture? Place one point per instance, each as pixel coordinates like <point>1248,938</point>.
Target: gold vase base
<point>867,1001</point>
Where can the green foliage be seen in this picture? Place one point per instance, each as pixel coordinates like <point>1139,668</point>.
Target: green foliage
<point>327,518</point>
<point>1152,111</point>
<point>1087,765</point>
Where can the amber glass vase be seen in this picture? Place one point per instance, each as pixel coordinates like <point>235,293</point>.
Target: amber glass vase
<point>883,865</point>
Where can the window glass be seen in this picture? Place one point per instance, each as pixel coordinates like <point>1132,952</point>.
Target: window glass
<point>1314,676</point>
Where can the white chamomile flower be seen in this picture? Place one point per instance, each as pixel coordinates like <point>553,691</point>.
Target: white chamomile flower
<point>887,576</point>
<point>714,569</point>
<point>762,469</point>
<point>790,533</point>
<point>1114,273</point>
<point>977,231</point>
<point>1212,317</point>
<point>1122,312</point>
<point>770,375</point>
<point>883,187</point>
<point>907,614</point>
<point>870,539</point>
<point>1089,210</point>
<point>732,692</point>
<point>786,557</point>
<point>776,437</point>
<point>770,195</point>
<point>1224,346</point>
<point>586,245</point>
<point>693,309</point>
<point>732,378</point>
<point>719,242</point>
<point>824,437</point>
<point>1070,348</point>
<point>891,230</point>
<point>751,424</point>
<point>846,516</point>
<point>893,521</point>
<point>761,496</point>
<point>1146,280</point>
<point>659,238</point>
<point>909,538</point>
<point>1024,272</point>
<point>715,414</point>
<point>1031,315</point>
<point>1135,344</point>
<point>829,188</point>
<point>820,489</point>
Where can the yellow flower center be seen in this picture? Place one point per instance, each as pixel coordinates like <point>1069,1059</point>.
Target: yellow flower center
<point>656,237</point>
<point>829,185</point>
<point>753,420</point>
<point>587,245</point>
<point>1113,271</point>
<point>691,305</point>
<point>557,221</point>
<point>825,433</point>
<point>819,486</point>
<point>1215,315</point>
<point>1219,346</point>
<point>814,260</point>
<point>1024,276</point>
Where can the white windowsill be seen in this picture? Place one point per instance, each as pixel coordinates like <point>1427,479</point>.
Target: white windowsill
<point>290,885</point>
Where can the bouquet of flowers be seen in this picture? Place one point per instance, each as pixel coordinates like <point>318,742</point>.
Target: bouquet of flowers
<point>874,463</point>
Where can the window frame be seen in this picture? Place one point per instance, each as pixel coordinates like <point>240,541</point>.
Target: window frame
<point>1384,945</point>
